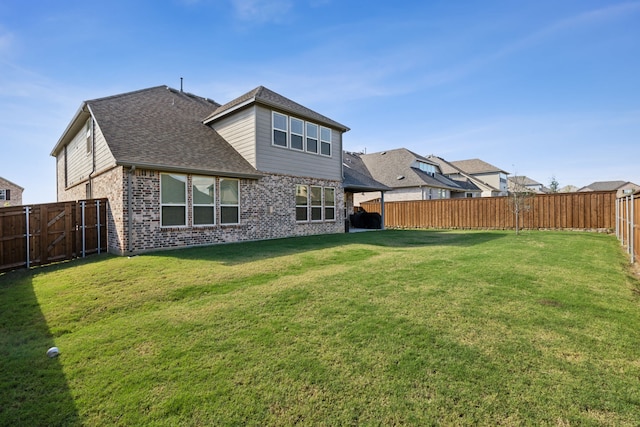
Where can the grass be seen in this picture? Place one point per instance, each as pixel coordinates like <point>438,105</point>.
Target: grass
<point>382,328</point>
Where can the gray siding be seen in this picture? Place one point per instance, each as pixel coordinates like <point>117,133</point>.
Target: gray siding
<point>104,158</point>
<point>273,159</point>
<point>79,162</point>
<point>239,130</point>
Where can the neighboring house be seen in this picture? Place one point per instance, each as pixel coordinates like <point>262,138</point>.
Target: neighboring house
<point>491,180</point>
<point>410,177</point>
<point>358,180</point>
<point>181,170</point>
<point>10,193</point>
<point>621,187</point>
<point>528,183</point>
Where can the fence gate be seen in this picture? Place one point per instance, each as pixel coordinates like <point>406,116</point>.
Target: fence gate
<point>46,233</point>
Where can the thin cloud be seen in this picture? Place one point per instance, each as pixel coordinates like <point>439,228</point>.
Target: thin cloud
<point>262,11</point>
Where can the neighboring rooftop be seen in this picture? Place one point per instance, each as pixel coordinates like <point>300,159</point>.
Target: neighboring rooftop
<point>475,166</point>
<point>356,175</point>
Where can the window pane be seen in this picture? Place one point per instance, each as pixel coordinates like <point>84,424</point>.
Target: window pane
<point>296,142</point>
<point>316,214</point>
<point>312,145</point>
<point>173,215</point>
<point>279,138</point>
<point>329,214</point>
<point>279,121</point>
<point>229,215</point>
<point>297,126</point>
<point>229,191</point>
<point>329,197</point>
<point>301,195</point>
<point>301,213</point>
<point>325,134</point>
<point>203,215</point>
<point>316,196</point>
<point>203,190</point>
<point>312,131</point>
<point>325,148</point>
<point>173,188</point>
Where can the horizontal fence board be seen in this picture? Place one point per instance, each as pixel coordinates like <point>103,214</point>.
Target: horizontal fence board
<point>590,211</point>
<point>55,232</point>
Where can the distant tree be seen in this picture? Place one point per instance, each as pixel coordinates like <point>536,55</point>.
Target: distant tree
<point>569,189</point>
<point>554,185</point>
<point>519,199</point>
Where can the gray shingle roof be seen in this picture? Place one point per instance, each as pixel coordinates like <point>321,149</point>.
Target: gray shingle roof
<point>604,186</point>
<point>162,128</point>
<point>476,166</point>
<point>393,168</point>
<point>267,97</point>
<point>357,176</point>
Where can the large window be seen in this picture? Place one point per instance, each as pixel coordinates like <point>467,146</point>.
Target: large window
<point>204,196</point>
<point>302,203</point>
<point>312,138</point>
<point>297,134</point>
<point>325,141</point>
<point>280,129</point>
<point>329,204</point>
<point>321,201</point>
<point>229,201</point>
<point>173,200</point>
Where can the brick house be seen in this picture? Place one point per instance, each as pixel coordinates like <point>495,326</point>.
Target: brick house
<point>10,193</point>
<point>180,170</point>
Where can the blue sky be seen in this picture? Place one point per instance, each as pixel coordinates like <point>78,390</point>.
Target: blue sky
<point>540,88</point>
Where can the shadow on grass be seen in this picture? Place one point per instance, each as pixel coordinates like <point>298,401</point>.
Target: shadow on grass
<point>239,253</point>
<point>33,387</point>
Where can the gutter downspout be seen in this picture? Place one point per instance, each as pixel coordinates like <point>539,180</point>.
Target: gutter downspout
<point>132,171</point>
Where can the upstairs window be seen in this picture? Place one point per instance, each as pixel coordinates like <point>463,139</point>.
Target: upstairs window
<point>312,138</point>
<point>280,129</point>
<point>325,141</point>
<point>426,167</point>
<point>173,200</point>
<point>204,190</point>
<point>89,139</point>
<point>229,201</point>
<point>297,134</point>
<point>4,195</point>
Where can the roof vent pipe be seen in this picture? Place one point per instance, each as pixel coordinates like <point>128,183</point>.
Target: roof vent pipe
<point>181,85</point>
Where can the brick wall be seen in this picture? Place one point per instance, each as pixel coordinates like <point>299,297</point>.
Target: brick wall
<point>15,193</point>
<point>267,211</point>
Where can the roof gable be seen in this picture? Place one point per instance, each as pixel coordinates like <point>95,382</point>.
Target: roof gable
<point>162,128</point>
<point>262,95</point>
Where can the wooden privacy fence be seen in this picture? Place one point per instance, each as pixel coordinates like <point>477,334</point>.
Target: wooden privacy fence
<point>593,210</point>
<point>628,224</point>
<point>46,233</point>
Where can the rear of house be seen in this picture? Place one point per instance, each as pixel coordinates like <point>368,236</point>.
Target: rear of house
<point>182,170</point>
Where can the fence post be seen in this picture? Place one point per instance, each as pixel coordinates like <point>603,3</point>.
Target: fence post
<point>26,210</point>
<point>632,230</point>
<point>82,203</point>
<point>98,223</point>
<point>618,218</point>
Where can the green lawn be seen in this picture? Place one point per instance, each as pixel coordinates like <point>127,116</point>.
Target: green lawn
<point>380,328</point>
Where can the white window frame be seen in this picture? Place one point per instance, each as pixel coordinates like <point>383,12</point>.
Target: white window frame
<point>315,208</point>
<point>3,194</point>
<point>173,204</point>
<point>89,139</point>
<point>307,137</point>
<point>230,205</point>
<point>306,204</point>
<point>195,206</point>
<point>326,207</point>
<point>325,141</point>
<point>275,129</point>
<point>301,135</point>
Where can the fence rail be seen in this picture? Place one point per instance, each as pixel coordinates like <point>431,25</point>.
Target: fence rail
<point>628,224</point>
<point>47,233</point>
<point>592,211</point>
